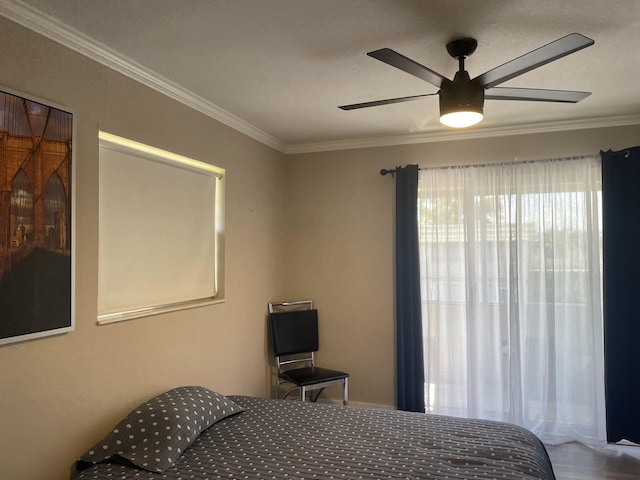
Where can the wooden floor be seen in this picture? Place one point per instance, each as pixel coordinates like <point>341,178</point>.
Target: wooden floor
<point>573,461</point>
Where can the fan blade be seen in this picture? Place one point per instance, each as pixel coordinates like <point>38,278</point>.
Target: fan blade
<point>393,58</point>
<point>534,95</point>
<point>375,103</point>
<point>534,59</point>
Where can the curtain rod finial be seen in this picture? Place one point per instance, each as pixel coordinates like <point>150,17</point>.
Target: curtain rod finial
<point>385,171</point>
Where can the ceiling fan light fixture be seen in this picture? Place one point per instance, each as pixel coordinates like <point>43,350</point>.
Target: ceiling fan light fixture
<point>461,103</point>
<point>461,119</point>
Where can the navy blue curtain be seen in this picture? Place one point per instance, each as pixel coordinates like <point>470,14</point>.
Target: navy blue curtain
<point>409,356</point>
<point>621,284</point>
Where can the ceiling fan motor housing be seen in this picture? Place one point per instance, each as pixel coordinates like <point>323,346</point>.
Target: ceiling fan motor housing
<point>461,95</point>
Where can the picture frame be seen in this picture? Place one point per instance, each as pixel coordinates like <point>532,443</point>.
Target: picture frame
<point>36,218</point>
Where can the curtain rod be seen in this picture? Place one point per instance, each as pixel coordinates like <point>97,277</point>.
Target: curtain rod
<point>386,171</point>
<point>393,171</point>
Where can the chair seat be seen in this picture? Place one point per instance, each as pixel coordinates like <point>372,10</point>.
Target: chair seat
<point>312,375</point>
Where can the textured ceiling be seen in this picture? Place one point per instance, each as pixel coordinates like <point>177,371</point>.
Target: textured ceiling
<point>278,69</point>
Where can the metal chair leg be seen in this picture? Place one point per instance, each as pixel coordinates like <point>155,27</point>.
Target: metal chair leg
<point>314,398</point>
<point>345,392</point>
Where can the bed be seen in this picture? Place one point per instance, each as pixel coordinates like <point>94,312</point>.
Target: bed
<point>194,433</point>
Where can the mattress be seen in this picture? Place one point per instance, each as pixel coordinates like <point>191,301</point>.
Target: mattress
<point>284,439</point>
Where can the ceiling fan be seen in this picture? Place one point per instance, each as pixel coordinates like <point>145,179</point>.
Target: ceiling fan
<point>462,99</point>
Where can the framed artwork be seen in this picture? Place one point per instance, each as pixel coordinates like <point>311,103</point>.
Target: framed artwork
<point>36,216</point>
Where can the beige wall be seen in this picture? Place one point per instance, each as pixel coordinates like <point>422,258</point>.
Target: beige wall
<point>309,226</point>
<point>340,238</point>
<point>60,394</point>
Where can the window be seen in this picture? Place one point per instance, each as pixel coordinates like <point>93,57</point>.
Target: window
<point>161,231</point>
<point>511,291</point>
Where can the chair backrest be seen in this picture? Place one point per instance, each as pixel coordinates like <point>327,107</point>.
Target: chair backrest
<point>277,307</point>
<point>294,332</point>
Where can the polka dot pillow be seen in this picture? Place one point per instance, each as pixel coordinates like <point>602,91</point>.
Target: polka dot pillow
<point>154,435</point>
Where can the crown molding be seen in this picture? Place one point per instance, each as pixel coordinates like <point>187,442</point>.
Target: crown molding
<point>50,27</point>
<point>456,135</point>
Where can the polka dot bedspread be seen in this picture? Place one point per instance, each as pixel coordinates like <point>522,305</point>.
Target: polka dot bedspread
<point>278,439</point>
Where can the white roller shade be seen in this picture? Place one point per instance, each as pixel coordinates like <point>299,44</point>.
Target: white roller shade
<point>157,229</point>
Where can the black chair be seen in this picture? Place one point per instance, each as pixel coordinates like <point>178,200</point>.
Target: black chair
<point>294,333</point>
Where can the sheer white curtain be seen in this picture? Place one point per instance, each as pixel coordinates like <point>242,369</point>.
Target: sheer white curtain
<point>511,291</point>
